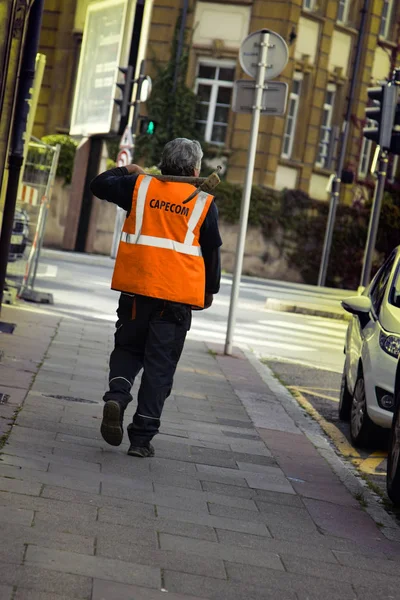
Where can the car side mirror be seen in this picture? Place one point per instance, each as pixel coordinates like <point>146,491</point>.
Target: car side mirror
<point>360,306</point>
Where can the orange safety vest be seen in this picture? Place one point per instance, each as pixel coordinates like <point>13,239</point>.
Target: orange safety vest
<point>159,254</point>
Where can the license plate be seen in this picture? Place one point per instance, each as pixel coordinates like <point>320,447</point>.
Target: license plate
<point>17,239</point>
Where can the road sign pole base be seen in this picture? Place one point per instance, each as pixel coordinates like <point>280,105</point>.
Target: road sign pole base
<point>36,296</point>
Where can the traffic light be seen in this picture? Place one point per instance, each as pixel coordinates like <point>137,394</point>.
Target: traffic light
<point>147,126</point>
<point>382,110</point>
<point>126,88</point>
<point>395,143</point>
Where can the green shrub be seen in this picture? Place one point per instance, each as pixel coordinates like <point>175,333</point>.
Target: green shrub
<point>297,224</point>
<point>67,154</point>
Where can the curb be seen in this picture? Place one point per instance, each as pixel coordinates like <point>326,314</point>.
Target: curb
<point>346,472</point>
<point>306,309</point>
<point>96,260</point>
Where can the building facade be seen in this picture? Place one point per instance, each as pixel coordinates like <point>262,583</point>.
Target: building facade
<point>294,151</point>
<point>297,150</point>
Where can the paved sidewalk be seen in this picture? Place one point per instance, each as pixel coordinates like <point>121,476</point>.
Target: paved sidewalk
<point>238,504</point>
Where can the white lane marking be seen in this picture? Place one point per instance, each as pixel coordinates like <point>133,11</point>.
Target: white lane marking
<point>196,334</point>
<point>269,334</point>
<point>338,329</point>
<point>50,271</point>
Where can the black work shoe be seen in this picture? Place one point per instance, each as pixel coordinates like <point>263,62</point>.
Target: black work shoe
<point>141,451</point>
<point>111,426</point>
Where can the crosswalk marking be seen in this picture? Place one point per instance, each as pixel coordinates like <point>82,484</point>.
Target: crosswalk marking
<point>208,335</point>
<point>333,329</point>
<point>270,335</point>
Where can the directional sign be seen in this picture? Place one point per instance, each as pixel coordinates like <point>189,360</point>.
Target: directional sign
<point>274,98</point>
<point>278,54</point>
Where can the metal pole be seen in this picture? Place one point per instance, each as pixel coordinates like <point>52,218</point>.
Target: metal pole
<point>133,123</point>
<point>336,183</point>
<point>245,206</point>
<point>26,78</point>
<point>374,219</point>
<point>179,47</point>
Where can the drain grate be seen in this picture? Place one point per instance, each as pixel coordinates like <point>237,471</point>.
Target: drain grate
<point>7,327</point>
<point>4,398</point>
<point>70,399</point>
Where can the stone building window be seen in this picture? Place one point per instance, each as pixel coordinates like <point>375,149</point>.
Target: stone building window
<point>326,128</point>
<point>214,85</point>
<point>291,116</point>
<point>309,4</point>
<point>343,11</point>
<point>386,18</point>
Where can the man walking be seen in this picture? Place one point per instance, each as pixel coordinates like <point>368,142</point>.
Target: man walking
<point>168,262</point>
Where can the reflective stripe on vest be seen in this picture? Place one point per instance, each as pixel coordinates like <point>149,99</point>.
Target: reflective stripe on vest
<point>157,242</point>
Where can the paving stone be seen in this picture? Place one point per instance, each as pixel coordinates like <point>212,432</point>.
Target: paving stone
<point>16,515</point>
<point>161,465</point>
<point>46,457</point>
<point>47,536</point>
<point>31,434</point>
<point>6,592</point>
<point>17,486</point>
<point>93,566</point>
<point>37,578</point>
<point>138,511</point>
<point>211,521</point>
<point>143,529</point>
<point>347,522</point>
<point>169,558</point>
<point>227,489</point>
<point>244,540</point>
<point>356,576</point>
<point>184,481</point>
<point>29,463</point>
<point>25,594</point>
<point>50,478</point>
<point>50,507</point>
<point>107,590</point>
<point>221,552</point>
<point>248,574</point>
<point>216,589</point>
<point>263,499</point>
<point>174,493</point>
<point>263,482</point>
<point>348,559</point>
<point>276,516</point>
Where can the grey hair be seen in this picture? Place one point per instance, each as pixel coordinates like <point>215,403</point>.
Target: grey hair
<point>181,157</point>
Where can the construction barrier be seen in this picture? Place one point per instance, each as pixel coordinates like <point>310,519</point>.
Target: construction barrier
<point>34,196</point>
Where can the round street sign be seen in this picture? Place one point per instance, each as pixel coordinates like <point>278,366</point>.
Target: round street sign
<point>124,158</point>
<point>277,57</point>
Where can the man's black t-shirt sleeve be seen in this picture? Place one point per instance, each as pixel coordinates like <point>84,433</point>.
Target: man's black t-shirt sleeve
<point>210,242</point>
<point>115,185</point>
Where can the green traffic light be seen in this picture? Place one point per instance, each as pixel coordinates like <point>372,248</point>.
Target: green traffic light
<point>150,128</point>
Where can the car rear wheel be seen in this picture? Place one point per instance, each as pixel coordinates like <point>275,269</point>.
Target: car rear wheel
<point>345,400</point>
<point>363,431</point>
<point>393,465</point>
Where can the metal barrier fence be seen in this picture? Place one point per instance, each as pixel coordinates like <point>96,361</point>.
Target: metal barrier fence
<point>34,196</point>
